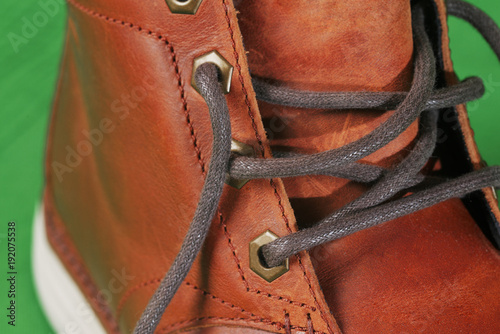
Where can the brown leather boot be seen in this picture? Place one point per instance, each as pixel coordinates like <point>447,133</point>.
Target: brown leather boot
<point>356,199</point>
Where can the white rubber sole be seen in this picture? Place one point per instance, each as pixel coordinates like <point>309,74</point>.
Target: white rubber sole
<point>64,304</point>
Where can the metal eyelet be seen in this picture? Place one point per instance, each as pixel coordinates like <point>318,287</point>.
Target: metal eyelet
<point>226,74</point>
<point>183,6</point>
<point>242,149</point>
<point>225,68</point>
<point>269,274</point>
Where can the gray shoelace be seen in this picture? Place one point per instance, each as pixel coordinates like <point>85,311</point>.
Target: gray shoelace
<point>375,206</point>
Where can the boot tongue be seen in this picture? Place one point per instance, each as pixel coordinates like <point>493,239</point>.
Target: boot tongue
<point>328,45</point>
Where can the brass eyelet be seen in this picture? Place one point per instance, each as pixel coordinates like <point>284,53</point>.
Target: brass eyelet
<point>242,149</point>
<point>183,6</point>
<point>225,68</point>
<point>269,274</point>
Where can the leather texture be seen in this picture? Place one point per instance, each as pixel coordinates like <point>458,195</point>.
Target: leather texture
<point>129,145</point>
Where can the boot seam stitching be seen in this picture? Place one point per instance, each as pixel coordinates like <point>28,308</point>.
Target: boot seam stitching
<point>253,317</point>
<point>206,293</point>
<point>222,301</point>
<point>145,284</point>
<point>265,321</point>
<point>123,300</point>
<point>196,288</point>
<point>261,147</point>
<point>160,37</point>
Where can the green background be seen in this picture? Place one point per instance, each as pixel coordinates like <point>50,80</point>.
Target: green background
<point>27,82</point>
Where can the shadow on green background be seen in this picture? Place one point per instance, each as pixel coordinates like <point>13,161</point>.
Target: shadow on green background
<point>28,79</point>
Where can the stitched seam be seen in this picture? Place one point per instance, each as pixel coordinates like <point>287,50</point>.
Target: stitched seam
<point>233,251</point>
<point>265,321</point>
<point>196,288</point>
<point>79,271</point>
<point>261,146</point>
<point>206,293</point>
<point>240,77</point>
<point>220,300</point>
<point>287,323</point>
<point>228,304</point>
<point>149,32</point>
<point>127,294</point>
<point>145,284</point>
<point>297,256</point>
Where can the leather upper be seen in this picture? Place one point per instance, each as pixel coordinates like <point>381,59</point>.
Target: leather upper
<point>127,205</point>
<point>130,142</point>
